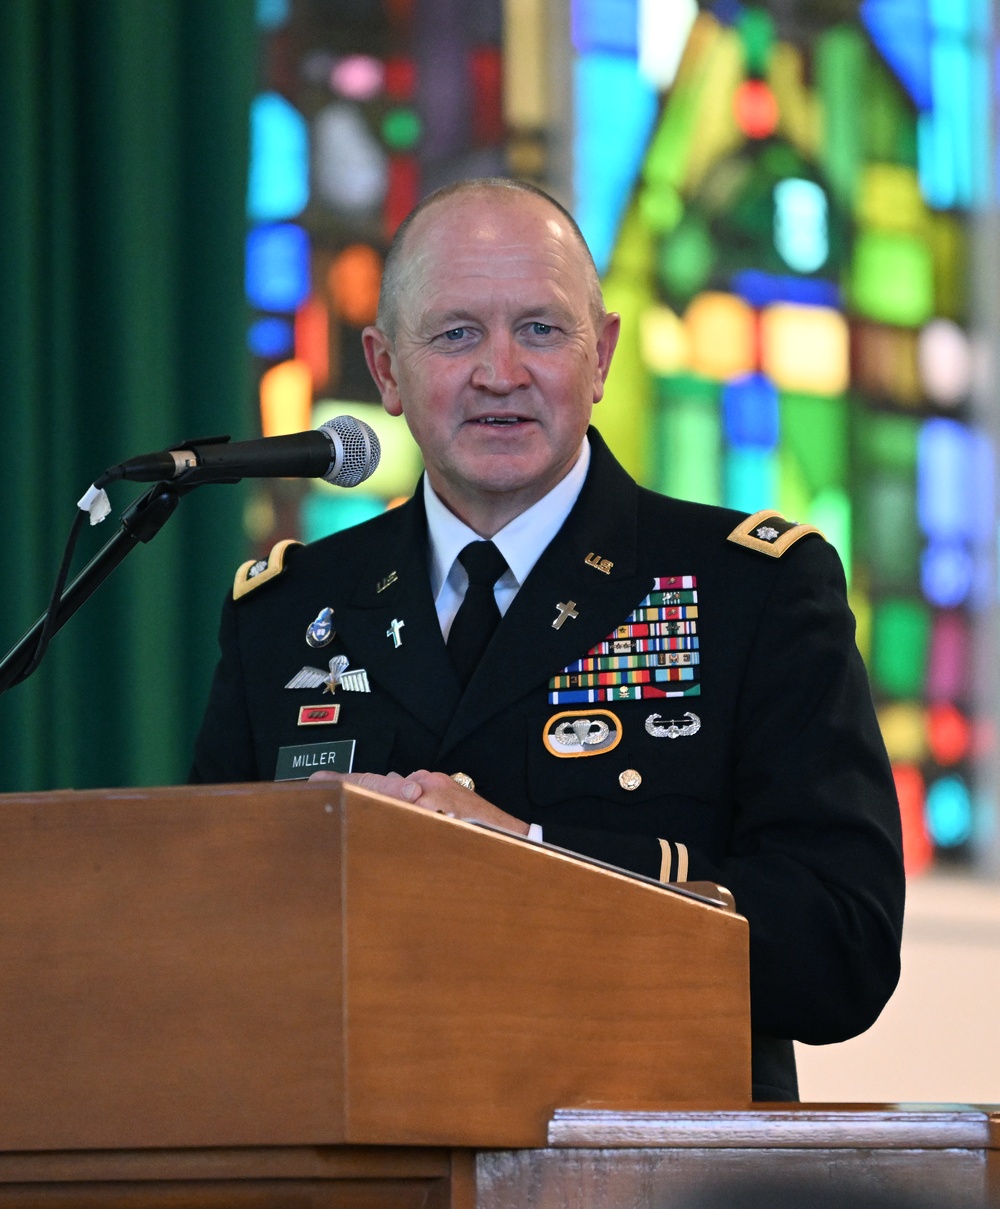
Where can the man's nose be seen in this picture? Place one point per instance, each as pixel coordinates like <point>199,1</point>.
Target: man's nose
<point>500,367</point>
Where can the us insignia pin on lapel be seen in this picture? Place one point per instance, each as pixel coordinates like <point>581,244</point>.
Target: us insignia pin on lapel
<point>598,563</point>
<point>321,632</point>
<point>318,715</point>
<point>387,582</point>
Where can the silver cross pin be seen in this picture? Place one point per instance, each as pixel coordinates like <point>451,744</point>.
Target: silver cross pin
<point>393,632</point>
<point>565,610</point>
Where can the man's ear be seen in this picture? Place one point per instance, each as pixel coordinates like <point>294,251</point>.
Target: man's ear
<point>381,360</point>
<point>607,341</point>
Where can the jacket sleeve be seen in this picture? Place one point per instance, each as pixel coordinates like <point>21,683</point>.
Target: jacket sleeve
<point>814,858</point>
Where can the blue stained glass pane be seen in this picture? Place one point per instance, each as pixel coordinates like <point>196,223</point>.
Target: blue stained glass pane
<point>272,14</point>
<point>606,25</point>
<point>949,812</point>
<point>946,574</point>
<point>946,458</point>
<point>277,267</point>
<point>751,479</point>
<point>762,289</point>
<point>271,337</point>
<point>750,412</point>
<point>324,513</point>
<point>278,185</point>
<point>900,30</point>
<point>801,224</point>
<point>611,141</point>
<point>950,16</point>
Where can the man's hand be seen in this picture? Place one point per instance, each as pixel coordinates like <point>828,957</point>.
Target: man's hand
<point>434,791</point>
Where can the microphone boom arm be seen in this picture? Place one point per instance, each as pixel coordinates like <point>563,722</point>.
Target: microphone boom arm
<point>140,522</point>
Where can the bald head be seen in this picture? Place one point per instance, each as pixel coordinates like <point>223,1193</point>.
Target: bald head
<point>503,192</point>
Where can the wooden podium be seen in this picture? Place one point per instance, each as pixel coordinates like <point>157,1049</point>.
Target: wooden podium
<point>288,965</point>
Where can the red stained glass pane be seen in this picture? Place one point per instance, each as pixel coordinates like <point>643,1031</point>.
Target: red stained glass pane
<point>486,76</point>
<point>403,192</point>
<point>949,734</point>
<point>756,109</point>
<point>918,851</point>
<point>400,78</point>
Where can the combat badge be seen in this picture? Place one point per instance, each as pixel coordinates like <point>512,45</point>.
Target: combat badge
<point>570,734</point>
<point>338,676</point>
<point>321,632</point>
<point>768,532</point>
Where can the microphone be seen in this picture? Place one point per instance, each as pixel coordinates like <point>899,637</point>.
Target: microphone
<point>344,451</point>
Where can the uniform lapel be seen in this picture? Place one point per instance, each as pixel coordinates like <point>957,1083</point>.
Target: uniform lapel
<point>527,650</point>
<point>394,585</point>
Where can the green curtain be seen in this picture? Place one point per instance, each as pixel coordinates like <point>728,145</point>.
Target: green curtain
<point>123,161</point>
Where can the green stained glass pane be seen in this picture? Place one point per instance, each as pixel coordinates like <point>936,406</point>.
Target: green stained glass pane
<point>814,430</point>
<point>686,259</point>
<point>889,539</point>
<point>841,60</point>
<point>688,439</point>
<point>893,278</point>
<point>661,208</point>
<point>756,29</point>
<point>900,637</point>
<point>401,128</point>
<point>794,496</point>
<point>831,512</point>
<point>889,442</point>
<point>890,130</point>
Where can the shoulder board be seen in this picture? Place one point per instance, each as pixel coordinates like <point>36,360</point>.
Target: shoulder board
<point>769,533</point>
<point>252,574</point>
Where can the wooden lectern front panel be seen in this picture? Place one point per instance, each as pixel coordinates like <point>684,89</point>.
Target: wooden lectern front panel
<point>171,968</point>
<point>488,978</point>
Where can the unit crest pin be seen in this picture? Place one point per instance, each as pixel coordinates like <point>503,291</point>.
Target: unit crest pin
<point>321,632</point>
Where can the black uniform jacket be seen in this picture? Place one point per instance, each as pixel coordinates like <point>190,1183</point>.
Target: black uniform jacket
<point>783,793</point>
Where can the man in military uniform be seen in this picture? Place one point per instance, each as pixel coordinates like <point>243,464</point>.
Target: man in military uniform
<point>672,688</point>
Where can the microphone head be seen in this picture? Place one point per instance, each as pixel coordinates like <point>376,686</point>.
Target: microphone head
<point>358,451</point>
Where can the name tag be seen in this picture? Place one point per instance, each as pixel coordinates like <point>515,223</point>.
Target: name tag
<point>301,761</point>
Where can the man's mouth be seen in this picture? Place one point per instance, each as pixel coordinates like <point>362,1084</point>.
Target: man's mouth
<point>500,419</point>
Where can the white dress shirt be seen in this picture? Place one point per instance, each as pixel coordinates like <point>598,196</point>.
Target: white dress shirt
<point>521,542</point>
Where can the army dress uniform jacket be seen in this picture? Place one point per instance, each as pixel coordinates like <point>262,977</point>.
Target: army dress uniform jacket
<point>770,777</point>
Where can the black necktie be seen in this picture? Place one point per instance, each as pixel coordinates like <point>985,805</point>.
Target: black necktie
<point>478,616</point>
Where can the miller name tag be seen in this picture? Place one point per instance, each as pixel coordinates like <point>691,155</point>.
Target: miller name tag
<point>301,761</point>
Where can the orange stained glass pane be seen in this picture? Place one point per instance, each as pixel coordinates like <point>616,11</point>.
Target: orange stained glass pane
<point>721,336</point>
<point>353,282</point>
<point>312,340</point>
<point>918,851</point>
<point>884,362</point>
<point>805,348</point>
<point>285,398</point>
<point>949,732</point>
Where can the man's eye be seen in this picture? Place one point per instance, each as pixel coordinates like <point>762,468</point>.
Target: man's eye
<point>455,333</point>
<point>541,329</point>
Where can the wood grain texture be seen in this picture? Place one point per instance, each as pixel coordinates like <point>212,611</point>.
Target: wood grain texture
<point>490,981</point>
<point>878,1126</point>
<point>171,968</point>
<point>299,964</point>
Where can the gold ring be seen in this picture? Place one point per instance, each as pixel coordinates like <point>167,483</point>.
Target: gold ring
<point>463,779</point>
